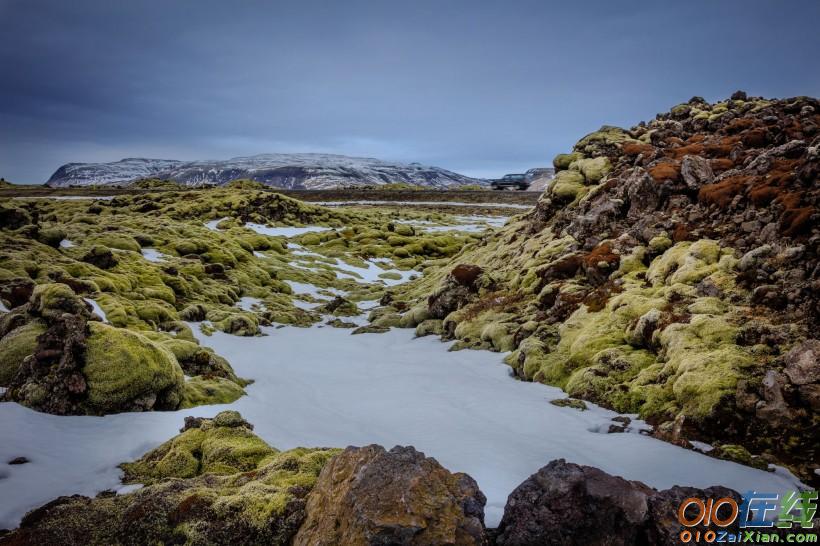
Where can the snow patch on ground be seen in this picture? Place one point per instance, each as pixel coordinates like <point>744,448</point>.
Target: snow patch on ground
<point>211,224</point>
<point>247,303</point>
<point>325,387</point>
<point>65,243</point>
<point>153,255</point>
<point>286,231</point>
<point>96,309</point>
<point>424,203</point>
<point>703,447</point>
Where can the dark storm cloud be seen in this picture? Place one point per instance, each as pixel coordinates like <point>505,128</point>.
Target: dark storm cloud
<point>479,87</point>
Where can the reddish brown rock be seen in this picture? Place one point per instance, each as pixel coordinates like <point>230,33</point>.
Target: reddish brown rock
<point>370,496</point>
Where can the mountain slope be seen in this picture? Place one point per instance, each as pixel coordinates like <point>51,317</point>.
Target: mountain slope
<point>669,270</point>
<point>292,171</point>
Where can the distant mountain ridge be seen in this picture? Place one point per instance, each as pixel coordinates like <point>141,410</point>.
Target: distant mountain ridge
<point>290,171</point>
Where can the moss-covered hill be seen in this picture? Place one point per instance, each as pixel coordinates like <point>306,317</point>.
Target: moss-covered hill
<point>152,265</point>
<point>669,270</point>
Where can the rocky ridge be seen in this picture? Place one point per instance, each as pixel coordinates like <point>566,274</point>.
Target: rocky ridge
<point>291,171</point>
<point>669,270</point>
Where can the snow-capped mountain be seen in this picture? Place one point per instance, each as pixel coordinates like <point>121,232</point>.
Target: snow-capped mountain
<point>292,171</point>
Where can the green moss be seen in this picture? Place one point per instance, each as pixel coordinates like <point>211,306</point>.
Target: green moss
<point>51,236</point>
<point>738,454</point>
<point>593,169</point>
<point>118,241</point>
<point>223,445</point>
<point>573,403</point>
<point>430,327</point>
<point>660,244</point>
<point>561,162</point>
<point>568,186</point>
<point>703,363</point>
<point>371,329</point>
<point>237,323</point>
<point>415,316</point>
<point>689,263</point>
<point>155,312</point>
<point>56,298</point>
<point>16,346</point>
<point>708,306</point>
<point>124,368</point>
<point>244,184</point>
<point>593,143</point>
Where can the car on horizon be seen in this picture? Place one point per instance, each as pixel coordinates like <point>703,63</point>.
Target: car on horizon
<point>516,181</point>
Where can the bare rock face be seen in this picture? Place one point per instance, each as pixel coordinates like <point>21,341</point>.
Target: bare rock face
<point>568,504</point>
<point>696,171</point>
<point>371,496</point>
<point>803,363</point>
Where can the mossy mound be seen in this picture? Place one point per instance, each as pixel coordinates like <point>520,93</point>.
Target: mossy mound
<point>127,371</point>
<point>223,445</point>
<point>199,391</point>
<point>216,483</point>
<point>16,346</point>
<point>154,184</point>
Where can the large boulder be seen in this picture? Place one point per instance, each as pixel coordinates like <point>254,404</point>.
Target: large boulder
<point>371,496</point>
<point>564,503</point>
<point>568,504</point>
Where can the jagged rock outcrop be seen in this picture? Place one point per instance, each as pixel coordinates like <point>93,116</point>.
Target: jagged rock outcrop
<point>293,171</point>
<point>666,270</point>
<point>370,496</point>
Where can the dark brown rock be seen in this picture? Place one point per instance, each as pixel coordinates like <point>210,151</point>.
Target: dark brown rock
<point>567,504</point>
<point>18,461</point>
<point>16,291</point>
<point>466,275</point>
<point>101,257</point>
<point>564,503</point>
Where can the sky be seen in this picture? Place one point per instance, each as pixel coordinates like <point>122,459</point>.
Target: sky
<point>478,87</point>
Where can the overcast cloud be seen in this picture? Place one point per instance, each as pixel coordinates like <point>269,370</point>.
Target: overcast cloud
<point>478,87</point>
